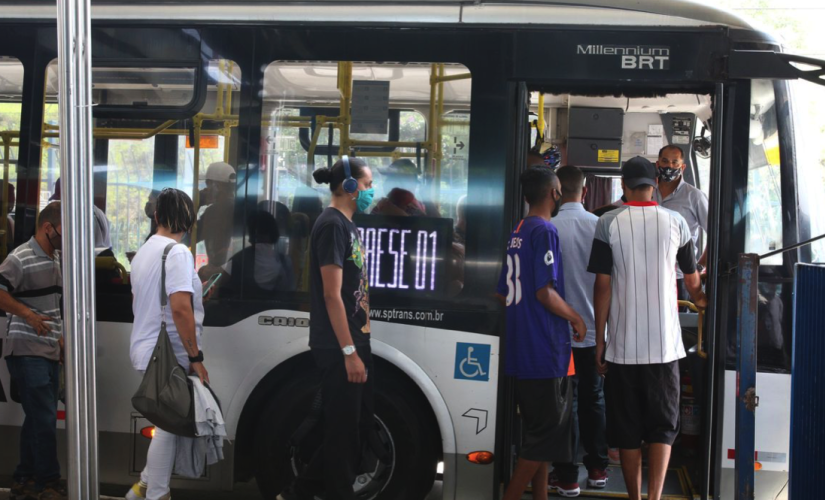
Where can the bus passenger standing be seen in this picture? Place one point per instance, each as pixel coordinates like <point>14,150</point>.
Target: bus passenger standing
<point>339,334</point>
<point>175,214</point>
<point>30,293</point>
<point>688,201</point>
<point>538,339</point>
<point>576,228</point>
<point>634,256</point>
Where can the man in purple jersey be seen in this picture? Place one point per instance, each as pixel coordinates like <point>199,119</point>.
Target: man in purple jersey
<point>538,339</point>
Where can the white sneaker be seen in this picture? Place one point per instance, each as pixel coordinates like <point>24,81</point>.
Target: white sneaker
<point>137,492</point>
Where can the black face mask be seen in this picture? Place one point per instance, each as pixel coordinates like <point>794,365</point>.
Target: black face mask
<point>667,174</point>
<point>556,206</point>
<point>149,209</point>
<point>56,242</point>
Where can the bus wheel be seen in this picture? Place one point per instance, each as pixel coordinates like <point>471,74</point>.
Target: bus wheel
<point>399,463</point>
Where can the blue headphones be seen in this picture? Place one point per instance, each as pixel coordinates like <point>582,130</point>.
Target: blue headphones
<point>350,184</point>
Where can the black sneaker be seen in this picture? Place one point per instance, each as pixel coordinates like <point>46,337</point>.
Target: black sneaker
<point>24,491</point>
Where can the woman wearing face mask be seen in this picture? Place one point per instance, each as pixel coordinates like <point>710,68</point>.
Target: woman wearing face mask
<point>339,334</point>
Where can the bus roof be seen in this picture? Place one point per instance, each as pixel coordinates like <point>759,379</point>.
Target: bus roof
<point>523,12</point>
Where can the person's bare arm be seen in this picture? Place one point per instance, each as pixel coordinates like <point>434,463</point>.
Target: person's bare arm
<point>552,301</point>
<point>17,308</point>
<point>601,308</point>
<point>333,276</point>
<point>184,317</point>
<point>693,283</point>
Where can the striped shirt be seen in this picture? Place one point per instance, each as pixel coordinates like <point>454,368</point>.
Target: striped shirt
<point>35,280</point>
<point>639,245</point>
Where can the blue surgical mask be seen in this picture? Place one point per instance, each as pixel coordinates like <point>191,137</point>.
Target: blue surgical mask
<point>364,199</point>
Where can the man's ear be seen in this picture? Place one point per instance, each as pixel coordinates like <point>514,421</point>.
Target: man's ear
<point>584,193</point>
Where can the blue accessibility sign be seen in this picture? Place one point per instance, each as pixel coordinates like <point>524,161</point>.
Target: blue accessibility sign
<point>472,361</point>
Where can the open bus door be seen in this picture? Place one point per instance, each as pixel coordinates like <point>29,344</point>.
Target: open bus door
<point>755,207</point>
<point>517,154</point>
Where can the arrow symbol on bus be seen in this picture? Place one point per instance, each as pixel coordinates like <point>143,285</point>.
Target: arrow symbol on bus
<point>480,416</point>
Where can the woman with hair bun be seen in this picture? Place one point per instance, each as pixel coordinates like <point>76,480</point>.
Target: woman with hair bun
<point>339,335</point>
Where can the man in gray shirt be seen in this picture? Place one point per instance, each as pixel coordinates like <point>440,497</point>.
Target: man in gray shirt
<point>675,194</point>
<point>30,293</point>
<point>577,228</point>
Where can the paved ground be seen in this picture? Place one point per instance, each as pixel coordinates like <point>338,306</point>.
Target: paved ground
<point>247,491</point>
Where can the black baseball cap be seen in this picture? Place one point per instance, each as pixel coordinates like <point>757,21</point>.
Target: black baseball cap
<point>638,171</point>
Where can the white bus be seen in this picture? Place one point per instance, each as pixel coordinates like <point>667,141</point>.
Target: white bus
<point>278,88</point>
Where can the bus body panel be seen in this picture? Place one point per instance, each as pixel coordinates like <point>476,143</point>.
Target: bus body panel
<point>772,439</point>
<point>464,408</point>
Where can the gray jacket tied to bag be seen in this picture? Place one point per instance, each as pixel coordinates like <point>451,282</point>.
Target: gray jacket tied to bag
<point>194,454</point>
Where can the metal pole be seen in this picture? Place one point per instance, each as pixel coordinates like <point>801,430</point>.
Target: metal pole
<point>75,70</point>
<point>746,398</point>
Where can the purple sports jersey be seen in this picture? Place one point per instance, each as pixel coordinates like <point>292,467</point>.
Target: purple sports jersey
<point>537,342</point>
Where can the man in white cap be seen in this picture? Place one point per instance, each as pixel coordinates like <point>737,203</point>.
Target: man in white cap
<point>215,225</point>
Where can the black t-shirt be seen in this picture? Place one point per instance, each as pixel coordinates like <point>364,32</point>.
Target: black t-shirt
<point>335,240</point>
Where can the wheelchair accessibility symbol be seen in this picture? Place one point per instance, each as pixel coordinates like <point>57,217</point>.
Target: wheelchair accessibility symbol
<point>472,362</point>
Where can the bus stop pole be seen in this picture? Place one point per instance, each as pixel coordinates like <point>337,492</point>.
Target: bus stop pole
<point>746,399</point>
<point>75,91</point>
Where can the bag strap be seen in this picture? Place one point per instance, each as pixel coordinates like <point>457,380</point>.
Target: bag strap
<point>163,297</point>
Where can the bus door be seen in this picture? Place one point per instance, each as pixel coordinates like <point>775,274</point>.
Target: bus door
<point>583,127</point>
<point>517,156</point>
<point>759,206</point>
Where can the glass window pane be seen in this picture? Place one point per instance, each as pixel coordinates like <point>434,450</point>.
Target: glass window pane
<point>144,156</point>
<point>809,116</point>
<point>128,187</point>
<point>763,206</point>
<point>11,97</point>
<point>426,177</point>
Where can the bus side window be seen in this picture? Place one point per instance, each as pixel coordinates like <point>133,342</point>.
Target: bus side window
<point>11,90</point>
<point>763,229</point>
<point>419,157</point>
<point>135,158</point>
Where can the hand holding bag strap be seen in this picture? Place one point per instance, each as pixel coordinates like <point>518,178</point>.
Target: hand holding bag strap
<point>163,297</point>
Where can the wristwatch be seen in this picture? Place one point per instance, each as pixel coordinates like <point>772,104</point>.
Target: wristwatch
<point>197,359</point>
<point>348,350</point>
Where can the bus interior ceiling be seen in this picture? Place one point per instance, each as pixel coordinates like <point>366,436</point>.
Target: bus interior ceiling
<point>639,109</point>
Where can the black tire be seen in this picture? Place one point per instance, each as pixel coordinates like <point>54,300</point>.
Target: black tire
<point>405,426</point>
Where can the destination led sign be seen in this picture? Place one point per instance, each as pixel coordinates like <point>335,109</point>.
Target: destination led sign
<point>405,254</point>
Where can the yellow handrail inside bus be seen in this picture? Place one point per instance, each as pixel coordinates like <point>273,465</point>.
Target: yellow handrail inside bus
<point>690,305</point>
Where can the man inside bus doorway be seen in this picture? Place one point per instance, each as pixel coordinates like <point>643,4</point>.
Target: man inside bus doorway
<point>538,339</point>
<point>30,293</point>
<point>688,201</point>
<point>634,256</point>
<point>576,228</point>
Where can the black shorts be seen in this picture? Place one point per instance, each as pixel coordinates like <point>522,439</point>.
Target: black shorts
<point>642,404</point>
<point>546,414</point>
